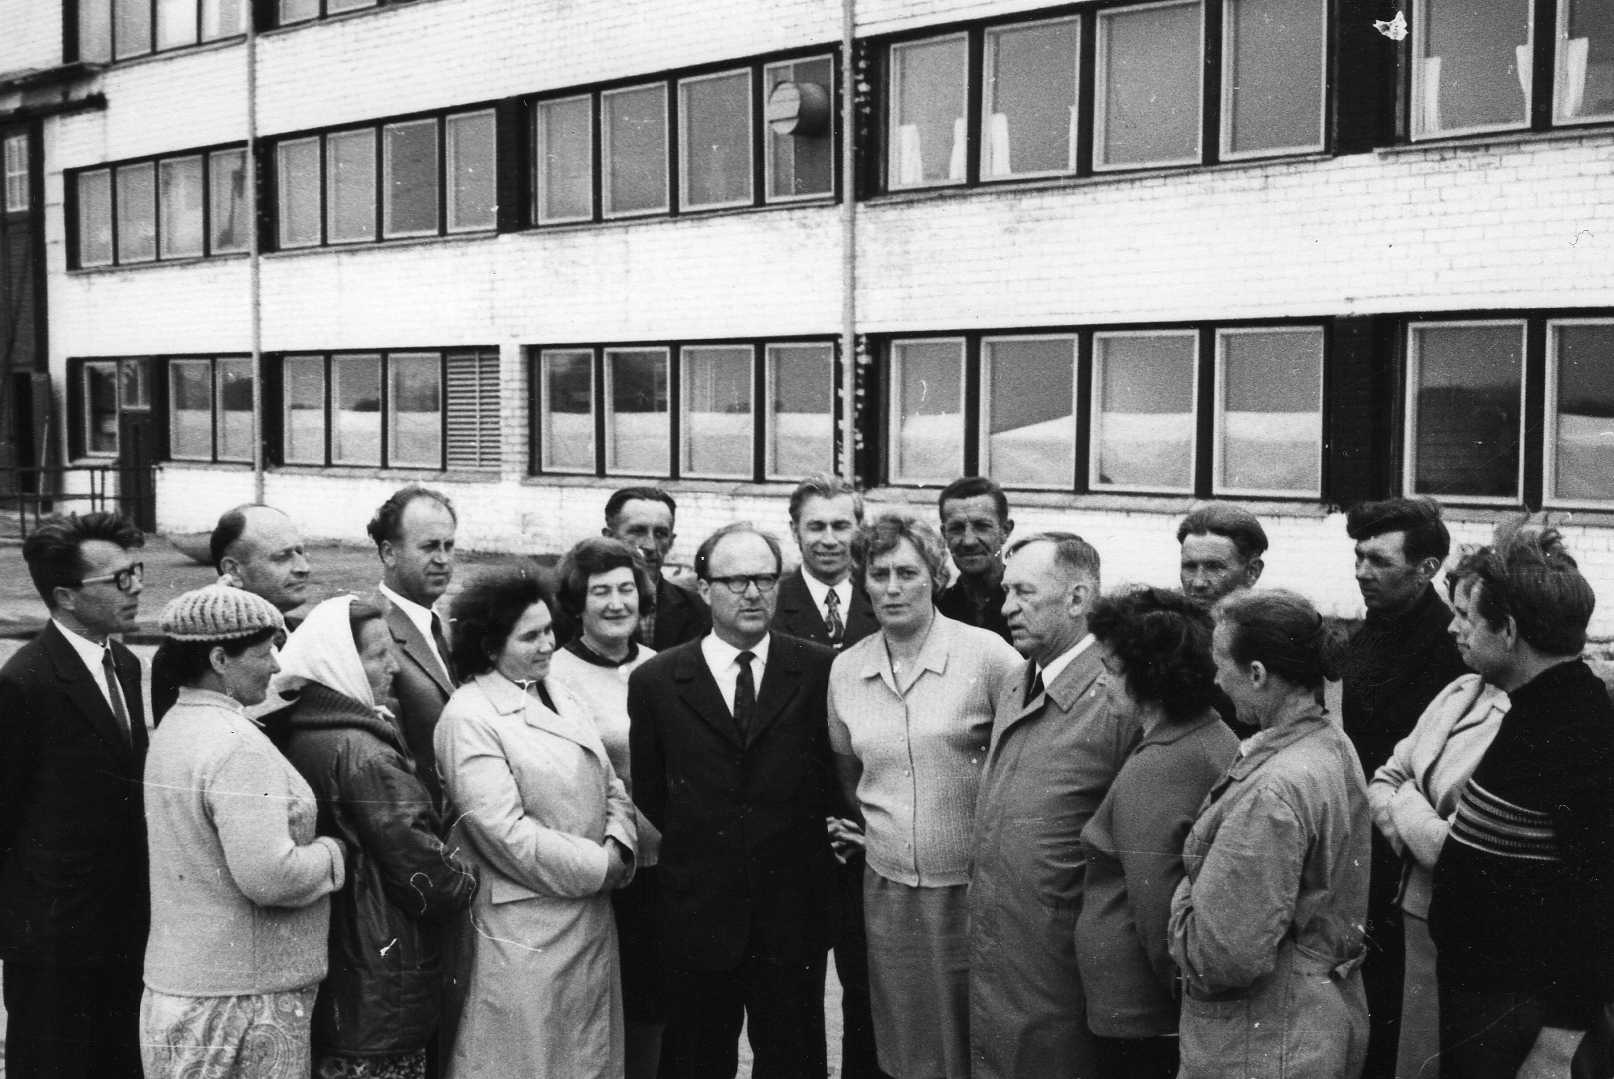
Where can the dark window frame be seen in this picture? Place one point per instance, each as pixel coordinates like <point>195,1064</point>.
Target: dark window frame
<point>73,47</point>
<point>876,461</point>
<point>445,354</point>
<point>761,415</point>
<point>1213,74</point>
<point>669,82</point>
<point>162,374</point>
<point>266,13</point>
<point>269,178</point>
<point>70,198</point>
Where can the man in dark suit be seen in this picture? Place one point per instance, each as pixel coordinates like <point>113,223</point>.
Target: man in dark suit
<point>821,601</point>
<point>256,548</point>
<point>74,893</point>
<point>731,761</point>
<point>414,535</point>
<point>645,518</point>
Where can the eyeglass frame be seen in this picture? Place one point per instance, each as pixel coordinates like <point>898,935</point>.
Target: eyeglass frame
<point>122,579</point>
<point>746,580</point>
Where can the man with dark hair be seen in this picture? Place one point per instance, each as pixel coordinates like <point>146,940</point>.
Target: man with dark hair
<point>1054,751</point>
<point>975,523</point>
<point>731,761</point>
<point>414,535</point>
<point>1395,664</point>
<point>1523,889</point>
<point>645,518</point>
<point>1222,544</point>
<point>256,548</point>
<point>823,602</point>
<point>74,893</point>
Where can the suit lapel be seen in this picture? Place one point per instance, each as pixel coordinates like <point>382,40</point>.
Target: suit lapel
<point>128,668</point>
<point>796,603</point>
<point>86,696</point>
<point>698,690</point>
<point>413,645</point>
<point>778,686</point>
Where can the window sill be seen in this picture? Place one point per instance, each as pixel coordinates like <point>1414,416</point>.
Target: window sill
<point>1501,139</point>
<point>367,472</point>
<point>362,246</point>
<point>684,215</point>
<point>135,267</point>
<point>1013,187</point>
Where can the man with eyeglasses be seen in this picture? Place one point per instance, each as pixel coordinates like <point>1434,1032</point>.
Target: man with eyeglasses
<point>730,759</point>
<point>74,895</point>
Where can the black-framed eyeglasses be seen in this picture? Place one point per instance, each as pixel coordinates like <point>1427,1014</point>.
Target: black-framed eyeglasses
<point>738,583</point>
<point>124,579</point>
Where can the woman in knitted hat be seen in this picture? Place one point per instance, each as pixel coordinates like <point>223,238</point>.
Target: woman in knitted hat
<point>380,1004</point>
<point>240,883</point>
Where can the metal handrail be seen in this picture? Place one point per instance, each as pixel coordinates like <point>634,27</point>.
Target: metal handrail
<point>44,495</point>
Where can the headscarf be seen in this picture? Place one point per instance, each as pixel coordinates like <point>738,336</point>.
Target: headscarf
<point>322,650</point>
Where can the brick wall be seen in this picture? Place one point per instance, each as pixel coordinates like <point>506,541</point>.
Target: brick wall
<point>32,35</point>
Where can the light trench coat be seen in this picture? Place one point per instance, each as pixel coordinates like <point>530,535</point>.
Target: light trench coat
<point>1267,927</point>
<point>533,798</point>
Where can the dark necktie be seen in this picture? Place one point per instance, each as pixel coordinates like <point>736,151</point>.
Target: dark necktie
<point>832,618</point>
<point>1033,682</point>
<point>115,692</point>
<point>745,695</point>
<point>441,643</point>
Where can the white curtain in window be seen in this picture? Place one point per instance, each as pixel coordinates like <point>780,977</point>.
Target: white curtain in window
<point>910,164</point>
<point>1431,93</point>
<point>1521,65</point>
<point>1572,76</point>
<point>997,145</point>
<point>956,164</point>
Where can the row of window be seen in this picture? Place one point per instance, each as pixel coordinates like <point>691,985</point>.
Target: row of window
<point>106,30</point>
<point>1498,410</point>
<point>1115,87</point>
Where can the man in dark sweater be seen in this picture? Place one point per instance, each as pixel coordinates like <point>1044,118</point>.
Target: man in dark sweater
<point>1395,664</point>
<point>975,523</point>
<point>1521,910</point>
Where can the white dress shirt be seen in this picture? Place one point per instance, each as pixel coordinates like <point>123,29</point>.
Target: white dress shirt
<point>91,653</point>
<point>722,659</point>
<point>421,618</point>
<point>819,590</point>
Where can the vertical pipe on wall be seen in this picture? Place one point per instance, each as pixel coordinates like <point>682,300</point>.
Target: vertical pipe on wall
<point>849,77</point>
<point>254,252</point>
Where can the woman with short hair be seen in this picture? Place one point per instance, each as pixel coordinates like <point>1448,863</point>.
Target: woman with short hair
<point>541,811</point>
<point>1267,925</point>
<point>604,589</point>
<point>240,882</point>
<point>910,713</point>
<point>1155,646</point>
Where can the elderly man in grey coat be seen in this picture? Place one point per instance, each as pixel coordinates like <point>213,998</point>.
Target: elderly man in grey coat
<point>1055,749</point>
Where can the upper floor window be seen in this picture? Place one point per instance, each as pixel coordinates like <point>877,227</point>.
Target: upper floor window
<point>1153,79</point>
<point>181,206</point>
<point>1474,68</point>
<point>714,147</point>
<point>289,12</point>
<point>120,29</point>
<point>407,178</point>
<point>686,410</point>
<point>17,197</point>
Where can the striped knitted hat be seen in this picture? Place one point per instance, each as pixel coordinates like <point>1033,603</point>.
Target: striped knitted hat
<point>219,613</point>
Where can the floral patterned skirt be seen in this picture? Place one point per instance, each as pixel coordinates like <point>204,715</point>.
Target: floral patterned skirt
<point>258,1036</point>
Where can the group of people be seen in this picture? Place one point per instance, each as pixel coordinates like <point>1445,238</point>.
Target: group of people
<point>590,820</point>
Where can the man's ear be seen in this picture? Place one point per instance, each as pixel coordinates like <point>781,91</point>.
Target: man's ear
<point>1258,673</point>
<point>389,556</point>
<point>1081,597</point>
<point>1252,571</point>
<point>1428,567</point>
<point>65,597</point>
<point>230,566</point>
<point>1008,528</point>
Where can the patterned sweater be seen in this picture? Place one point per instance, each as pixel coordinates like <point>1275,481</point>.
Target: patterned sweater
<point>1523,886</point>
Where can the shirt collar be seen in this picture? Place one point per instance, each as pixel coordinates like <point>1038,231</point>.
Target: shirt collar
<point>818,590</point>
<point>420,616</point>
<point>582,651</point>
<point>87,650</point>
<point>1064,659</point>
<point>720,653</point>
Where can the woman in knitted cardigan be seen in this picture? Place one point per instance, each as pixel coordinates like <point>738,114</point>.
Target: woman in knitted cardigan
<point>240,884</point>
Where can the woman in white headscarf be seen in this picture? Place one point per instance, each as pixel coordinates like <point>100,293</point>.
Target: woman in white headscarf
<point>380,1004</point>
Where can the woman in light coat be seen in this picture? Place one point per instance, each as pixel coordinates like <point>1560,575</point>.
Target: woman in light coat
<point>536,804</point>
<point>1414,796</point>
<point>1266,928</point>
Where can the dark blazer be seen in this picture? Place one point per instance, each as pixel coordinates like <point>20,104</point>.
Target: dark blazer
<point>73,876</point>
<point>681,615</point>
<point>745,866</point>
<point>421,689</point>
<point>798,615</point>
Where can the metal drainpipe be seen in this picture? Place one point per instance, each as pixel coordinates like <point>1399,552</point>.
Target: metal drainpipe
<point>254,254</point>
<point>849,79</point>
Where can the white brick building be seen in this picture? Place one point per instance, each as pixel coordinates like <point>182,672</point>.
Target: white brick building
<point>1117,254</point>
